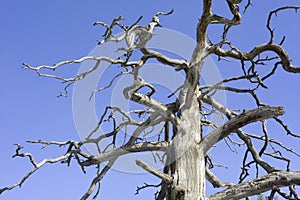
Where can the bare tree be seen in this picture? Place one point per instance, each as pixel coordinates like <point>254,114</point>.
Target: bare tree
<point>182,141</point>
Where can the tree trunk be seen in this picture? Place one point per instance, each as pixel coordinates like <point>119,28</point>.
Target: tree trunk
<point>189,168</point>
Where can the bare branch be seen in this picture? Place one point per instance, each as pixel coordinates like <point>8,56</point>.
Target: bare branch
<point>110,83</point>
<point>165,177</point>
<point>116,152</point>
<point>259,185</point>
<point>235,123</point>
<point>250,147</point>
<point>36,166</point>
<point>97,179</point>
<point>255,154</point>
<point>213,179</point>
<point>275,142</point>
<point>285,60</point>
<point>83,74</point>
<point>247,6</point>
<point>145,186</point>
<point>29,155</point>
<point>180,64</point>
<point>157,106</point>
<point>109,28</point>
<point>275,12</point>
<point>234,9</point>
<point>203,23</point>
<point>211,88</point>
<point>289,132</point>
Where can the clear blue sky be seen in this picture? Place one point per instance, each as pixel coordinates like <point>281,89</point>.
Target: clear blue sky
<point>46,32</point>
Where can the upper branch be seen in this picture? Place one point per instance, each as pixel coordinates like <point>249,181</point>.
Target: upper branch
<point>274,12</point>
<point>83,74</point>
<point>283,55</point>
<point>204,22</point>
<point>256,51</point>
<point>234,9</point>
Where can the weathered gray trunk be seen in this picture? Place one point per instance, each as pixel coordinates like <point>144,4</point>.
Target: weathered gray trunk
<point>189,174</point>
<point>189,169</point>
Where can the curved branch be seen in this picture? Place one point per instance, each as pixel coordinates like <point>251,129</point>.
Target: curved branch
<point>284,57</point>
<point>274,12</point>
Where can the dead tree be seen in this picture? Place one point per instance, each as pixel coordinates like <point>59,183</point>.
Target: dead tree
<point>186,161</point>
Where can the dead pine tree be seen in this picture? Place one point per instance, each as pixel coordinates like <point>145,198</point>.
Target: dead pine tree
<point>187,164</point>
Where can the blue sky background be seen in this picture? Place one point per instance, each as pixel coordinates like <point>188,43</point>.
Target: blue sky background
<point>46,32</point>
